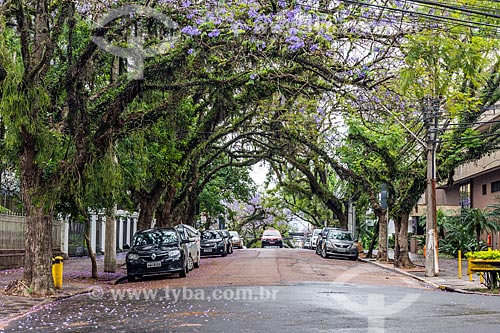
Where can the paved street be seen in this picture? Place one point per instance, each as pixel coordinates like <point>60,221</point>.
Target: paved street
<point>304,307</point>
<point>251,267</point>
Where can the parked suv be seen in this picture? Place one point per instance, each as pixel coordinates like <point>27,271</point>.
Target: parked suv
<point>157,251</point>
<point>339,243</point>
<point>194,245</point>
<point>272,237</point>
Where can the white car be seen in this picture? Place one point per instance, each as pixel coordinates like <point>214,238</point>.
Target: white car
<point>236,239</point>
<point>307,243</point>
<point>314,238</point>
<point>194,246</point>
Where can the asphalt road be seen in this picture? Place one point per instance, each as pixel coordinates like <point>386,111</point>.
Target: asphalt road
<point>270,290</point>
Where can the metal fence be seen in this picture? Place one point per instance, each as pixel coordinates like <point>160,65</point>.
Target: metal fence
<point>12,232</point>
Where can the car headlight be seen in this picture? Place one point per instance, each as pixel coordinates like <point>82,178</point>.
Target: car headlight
<point>221,243</point>
<point>174,253</point>
<point>354,245</point>
<point>133,256</point>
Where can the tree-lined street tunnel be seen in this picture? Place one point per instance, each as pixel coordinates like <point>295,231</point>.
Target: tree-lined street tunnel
<point>329,95</point>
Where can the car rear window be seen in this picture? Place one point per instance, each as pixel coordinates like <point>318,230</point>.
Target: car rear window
<point>272,233</point>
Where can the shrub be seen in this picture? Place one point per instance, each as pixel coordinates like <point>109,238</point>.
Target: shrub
<point>485,255</point>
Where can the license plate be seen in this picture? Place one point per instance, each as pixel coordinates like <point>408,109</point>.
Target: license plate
<point>342,250</point>
<point>153,264</point>
<point>207,250</point>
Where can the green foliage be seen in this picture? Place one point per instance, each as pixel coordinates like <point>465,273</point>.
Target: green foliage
<point>461,231</point>
<point>104,183</point>
<point>484,255</point>
<point>4,210</point>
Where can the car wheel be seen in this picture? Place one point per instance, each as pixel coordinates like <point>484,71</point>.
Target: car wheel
<point>130,278</point>
<point>323,253</point>
<point>183,273</point>
<point>197,263</point>
<point>190,263</point>
<point>355,258</point>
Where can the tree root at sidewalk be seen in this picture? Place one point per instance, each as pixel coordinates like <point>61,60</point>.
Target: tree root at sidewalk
<point>18,288</point>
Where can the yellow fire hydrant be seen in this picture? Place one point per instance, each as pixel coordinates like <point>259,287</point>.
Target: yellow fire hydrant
<point>57,271</point>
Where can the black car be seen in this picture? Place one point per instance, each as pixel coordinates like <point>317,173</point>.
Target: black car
<point>229,243</point>
<point>157,251</point>
<point>339,243</point>
<point>213,242</point>
<point>322,236</point>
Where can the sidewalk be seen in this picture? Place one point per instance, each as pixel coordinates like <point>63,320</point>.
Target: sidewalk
<point>76,280</point>
<point>447,278</point>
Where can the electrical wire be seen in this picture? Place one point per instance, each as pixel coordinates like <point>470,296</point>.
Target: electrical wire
<point>431,17</point>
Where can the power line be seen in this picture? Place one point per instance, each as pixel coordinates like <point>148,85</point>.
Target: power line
<point>431,17</point>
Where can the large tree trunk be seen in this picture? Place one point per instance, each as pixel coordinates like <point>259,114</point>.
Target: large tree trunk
<point>38,241</point>
<point>401,257</point>
<point>382,235</point>
<point>38,245</point>
<point>110,245</point>
<point>148,203</point>
<point>397,245</point>
<point>374,240</point>
<point>163,217</point>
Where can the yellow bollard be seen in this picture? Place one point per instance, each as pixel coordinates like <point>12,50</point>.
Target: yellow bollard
<point>481,278</point>
<point>57,271</point>
<point>460,264</point>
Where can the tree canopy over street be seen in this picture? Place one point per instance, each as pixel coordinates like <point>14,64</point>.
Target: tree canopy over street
<point>162,106</point>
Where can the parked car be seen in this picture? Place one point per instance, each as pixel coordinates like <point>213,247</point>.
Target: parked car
<point>298,242</point>
<point>227,236</point>
<point>236,239</point>
<point>194,246</point>
<point>321,238</point>
<point>314,237</point>
<point>213,242</point>
<point>157,251</point>
<point>272,237</point>
<point>339,243</point>
<point>307,243</point>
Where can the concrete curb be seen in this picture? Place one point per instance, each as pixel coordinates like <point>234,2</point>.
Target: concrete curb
<point>424,280</point>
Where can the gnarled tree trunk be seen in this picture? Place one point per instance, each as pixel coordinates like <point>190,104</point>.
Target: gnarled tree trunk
<point>38,241</point>
<point>382,235</point>
<point>401,253</point>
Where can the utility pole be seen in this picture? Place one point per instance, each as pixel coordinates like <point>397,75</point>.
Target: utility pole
<point>431,121</point>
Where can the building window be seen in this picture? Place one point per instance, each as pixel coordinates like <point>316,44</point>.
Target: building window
<point>465,196</point>
<point>484,189</point>
<point>495,186</point>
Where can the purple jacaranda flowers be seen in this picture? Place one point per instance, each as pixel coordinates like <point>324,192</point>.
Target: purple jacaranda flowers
<point>214,33</point>
<point>191,31</point>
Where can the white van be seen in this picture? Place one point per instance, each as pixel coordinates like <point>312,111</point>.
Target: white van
<point>314,238</point>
